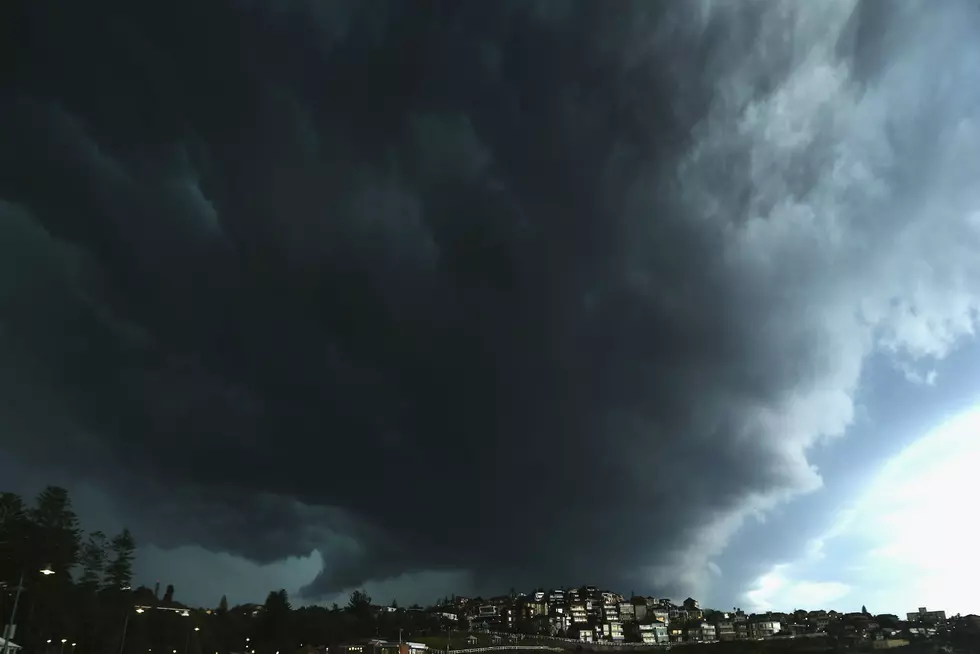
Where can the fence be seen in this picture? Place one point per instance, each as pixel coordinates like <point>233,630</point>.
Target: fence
<point>501,648</point>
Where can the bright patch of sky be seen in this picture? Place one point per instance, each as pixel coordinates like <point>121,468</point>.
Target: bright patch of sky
<point>907,541</point>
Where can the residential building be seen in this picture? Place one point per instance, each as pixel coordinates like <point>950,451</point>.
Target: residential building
<point>691,604</point>
<point>583,633</point>
<point>661,615</point>
<point>626,612</point>
<point>613,630</point>
<point>764,628</point>
<point>578,612</point>
<point>927,617</point>
<point>646,634</point>
<point>725,630</point>
<point>703,633</point>
<point>379,646</point>
<point>639,610</point>
<point>535,608</point>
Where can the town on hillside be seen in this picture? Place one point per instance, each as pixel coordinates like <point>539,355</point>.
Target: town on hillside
<point>590,618</point>
<point>588,614</point>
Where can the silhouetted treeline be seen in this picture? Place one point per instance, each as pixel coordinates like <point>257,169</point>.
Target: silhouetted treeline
<point>86,579</point>
<point>86,599</point>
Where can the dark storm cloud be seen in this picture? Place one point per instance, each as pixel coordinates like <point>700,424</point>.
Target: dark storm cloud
<point>548,292</point>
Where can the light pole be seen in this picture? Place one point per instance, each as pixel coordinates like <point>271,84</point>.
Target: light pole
<point>63,641</point>
<point>187,642</point>
<point>9,632</point>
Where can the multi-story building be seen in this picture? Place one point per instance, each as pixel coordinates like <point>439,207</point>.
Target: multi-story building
<point>703,633</point>
<point>654,633</point>
<point>764,628</point>
<point>613,630</point>
<point>741,630</point>
<point>535,608</point>
<point>927,617</point>
<point>639,609</point>
<point>626,612</point>
<point>578,612</point>
<point>725,630</point>
<point>583,633</point>
<point>660,614</point>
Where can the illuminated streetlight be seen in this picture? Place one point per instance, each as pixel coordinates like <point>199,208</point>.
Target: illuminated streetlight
<point>46,570</point>
<point>140,609</point>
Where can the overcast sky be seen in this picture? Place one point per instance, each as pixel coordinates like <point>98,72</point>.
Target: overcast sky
<point>429,298</point>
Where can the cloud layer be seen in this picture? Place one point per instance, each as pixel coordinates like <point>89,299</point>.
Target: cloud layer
<point>543,292</point>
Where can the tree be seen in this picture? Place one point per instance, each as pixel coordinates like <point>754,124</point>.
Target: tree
<point>93,561</point>
<point>394,604</point>
<point>58,537</point>
<point>168,595</point>
<point>359,603</point>
<point>864,609</point>
<point>223,605</point>
<point>15,536</point>
<point>275,617</point>
<point>119,572</point>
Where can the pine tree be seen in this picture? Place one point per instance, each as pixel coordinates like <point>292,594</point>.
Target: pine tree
<point>119,571</point>
<point>223,605</point>
<point>276,616</point>
<point>168,595</point>
<point>93,560</point>
<point>58,537</point>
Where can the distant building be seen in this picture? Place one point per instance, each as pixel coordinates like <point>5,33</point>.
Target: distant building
<point>725,630</point>
<point>379,646</point>
<point>703,633</point>
<point>583,633</point>
<point>653,634</point>
<point>613,630</point>
<point>927,617</point>
<point>691,604</point>
<point>764,628</point>
<point>888,643</point>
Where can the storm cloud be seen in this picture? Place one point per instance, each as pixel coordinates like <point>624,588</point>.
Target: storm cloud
<point>546,292</point>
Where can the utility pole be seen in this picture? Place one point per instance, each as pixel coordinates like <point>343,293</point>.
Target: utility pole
<point>9,633</point>
<point>122,643</point>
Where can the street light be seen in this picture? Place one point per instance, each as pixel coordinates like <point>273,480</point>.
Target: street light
<point>63,641</point>
<point>46,570</point>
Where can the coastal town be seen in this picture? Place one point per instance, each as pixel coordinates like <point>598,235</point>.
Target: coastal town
<point>588,614</point>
